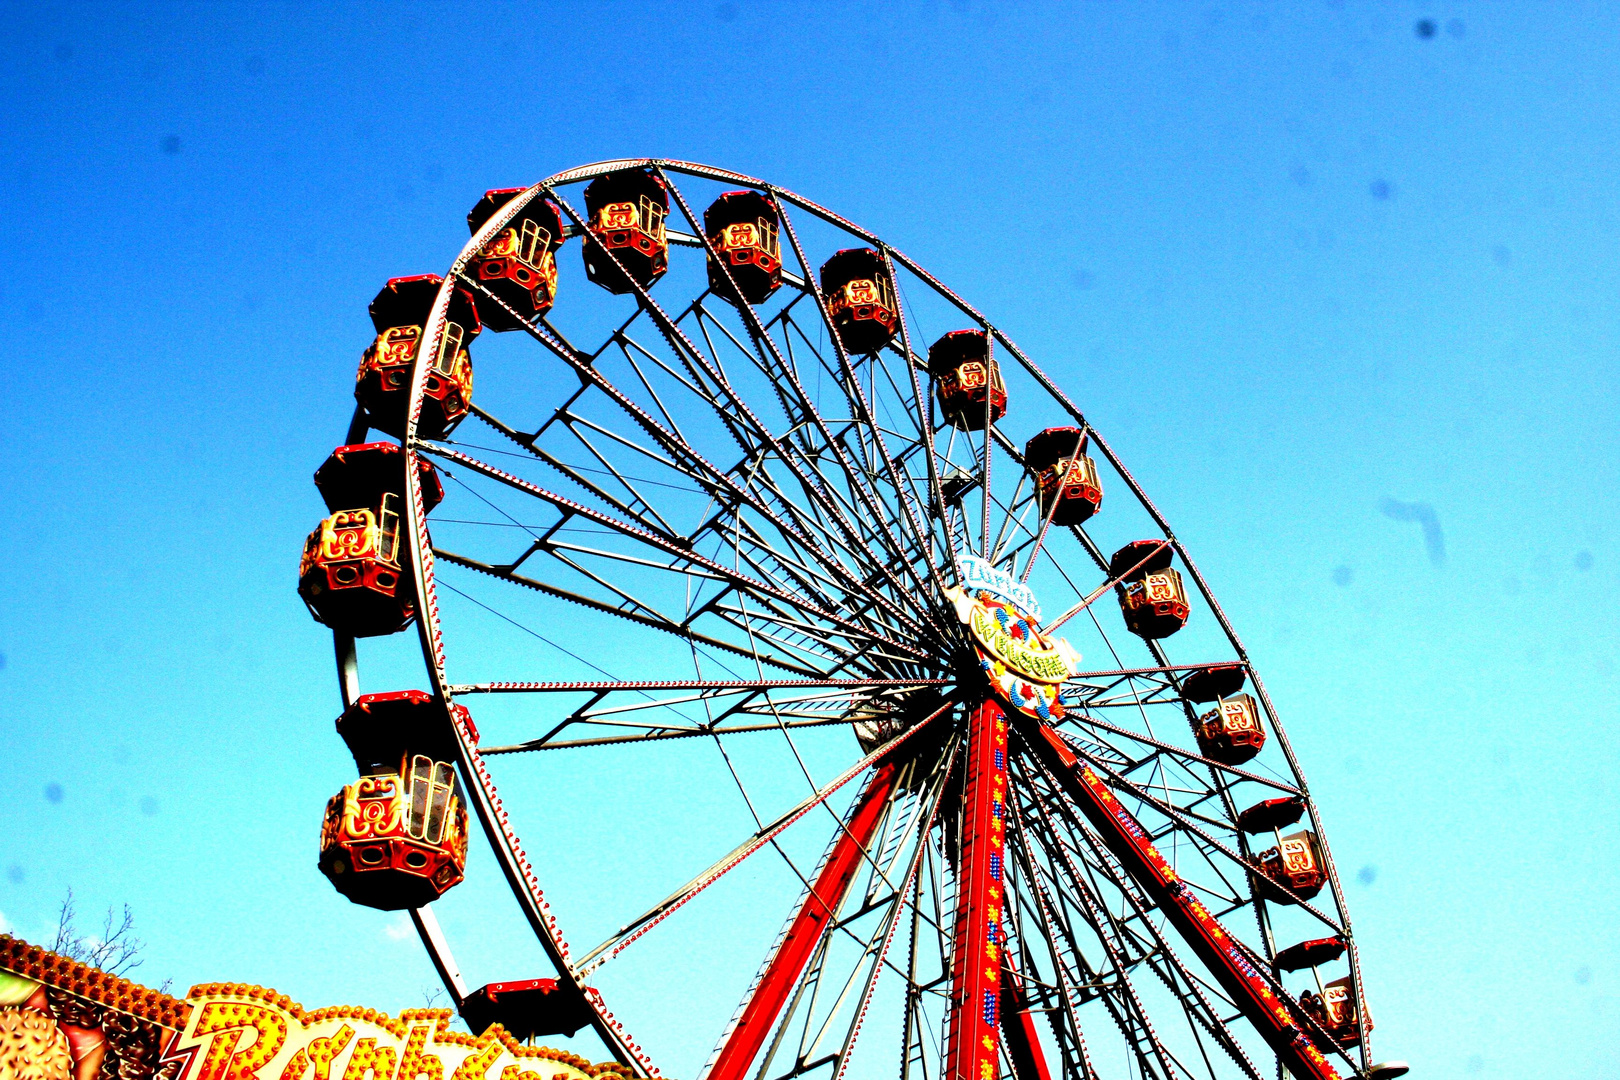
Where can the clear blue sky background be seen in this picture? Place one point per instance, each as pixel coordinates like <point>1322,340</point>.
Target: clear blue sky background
<point>1297,260</point>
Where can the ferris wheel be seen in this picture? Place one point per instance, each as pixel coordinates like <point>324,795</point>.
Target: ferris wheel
<point>956,767</point>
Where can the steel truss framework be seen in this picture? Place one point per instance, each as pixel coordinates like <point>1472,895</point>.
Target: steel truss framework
<point>767,525</point>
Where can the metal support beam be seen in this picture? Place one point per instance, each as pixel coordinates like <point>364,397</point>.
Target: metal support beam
<point>1018,1027</point>
<point>1226,959</point>
<point>819,908</point>
<point>978,939</point>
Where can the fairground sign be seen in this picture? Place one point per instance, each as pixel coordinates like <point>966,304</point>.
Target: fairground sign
<point>62,1020</point>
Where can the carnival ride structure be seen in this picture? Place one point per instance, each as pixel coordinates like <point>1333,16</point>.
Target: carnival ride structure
<point>781,487</point>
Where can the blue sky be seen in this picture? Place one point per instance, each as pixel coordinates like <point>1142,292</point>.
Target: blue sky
<point>1343,295</point>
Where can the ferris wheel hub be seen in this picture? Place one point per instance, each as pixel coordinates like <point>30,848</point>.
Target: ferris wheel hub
<point>1024,667</point>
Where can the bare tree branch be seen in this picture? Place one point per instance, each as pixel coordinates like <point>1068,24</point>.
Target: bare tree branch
<point>116,951</point>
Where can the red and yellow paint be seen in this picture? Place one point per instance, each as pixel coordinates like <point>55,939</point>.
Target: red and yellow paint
<point>972,1042</point>
<point>1225,957</point>
<point>62,1020</point>
<point>1025,667</point>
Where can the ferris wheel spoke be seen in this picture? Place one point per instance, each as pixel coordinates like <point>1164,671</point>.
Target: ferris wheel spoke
<point>804,525</point>
<point>1055,937</point>
<point>658,622</point>
<point>806,461</point>
<point>885,469</point>
<point>1082,982</point>
<point>678,449</point>
<point>1180,753</point>
<point>853,517</point>
<point>861,407</point>
<point>638,927</point>
<point>802,634</point>
<point>871,840</point>
<point>835,509</point>
<point>574,426</point>
<point>757,330</point>
<point>794,642</point>
<point>1139,690</point>
<point>733,409</point>
<point>1011,518</point>
<point>1181,822</point>
<point>1249,983</point>
<point>1164,675</point>
<point>1135,934</point>
<point>1150,947</point>
<point>823,701</point>
<point>1203,587</point>
<point>898,481</point>
<point>732,528</point>
<point>826,975</point>
<point>656,522</point>
<point>676,456</point>
<point>764,357</point>
<point>853,558</point>
<point>747,538</point>
<point>744,619</point>
<point>928,966</point>
<point>868,587</point>
<point>1012,511</point>
<point>703,381</point>
<point>832,431</point>
<point>1335,891</point>
<point>672,547</point>
<point>1075,891</point>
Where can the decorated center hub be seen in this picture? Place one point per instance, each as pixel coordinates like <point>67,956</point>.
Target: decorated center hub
<point>1026,667</point>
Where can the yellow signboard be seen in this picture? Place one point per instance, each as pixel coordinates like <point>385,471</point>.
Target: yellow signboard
<point>62,1020</point>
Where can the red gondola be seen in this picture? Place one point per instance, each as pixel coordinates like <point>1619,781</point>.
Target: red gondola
<point>1335,1010</point>
<point>1271,815</point>
<point>361,475</point>
<point>1213,683</point>
<point>1231,733</point>
<point>860,300</point>
<point>967,381</point>
<point>527,1009</point>
<point>397,837</point>
<point>1311,953</point>
<point>353,572</point>
<point>383,384</point>
<point>742,229</point>
<point>1151,596</point>
<point>626,212</point>
<point>1070,490</point>
<point>518,264</point>
<point>1296,864</point>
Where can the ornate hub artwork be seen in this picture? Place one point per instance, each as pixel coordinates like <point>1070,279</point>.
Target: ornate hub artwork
<point>1025,667</point>
<point>62,1020</point>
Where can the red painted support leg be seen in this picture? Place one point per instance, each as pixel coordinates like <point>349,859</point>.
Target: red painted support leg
<point>971,1039</point>
<point>1227,961</point>
<point>793,952</point>
<point>1018,1027</point>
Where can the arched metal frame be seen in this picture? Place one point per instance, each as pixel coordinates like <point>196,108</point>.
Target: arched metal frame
<point>1079,926</point>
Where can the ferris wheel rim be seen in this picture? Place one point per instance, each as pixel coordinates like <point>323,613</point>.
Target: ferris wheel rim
<point>429,622</point>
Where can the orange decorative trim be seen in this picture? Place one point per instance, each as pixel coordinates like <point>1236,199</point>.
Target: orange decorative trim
<point>227,1007</point>
<point>105,989</point>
